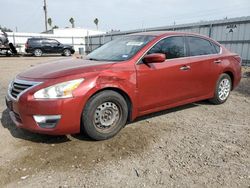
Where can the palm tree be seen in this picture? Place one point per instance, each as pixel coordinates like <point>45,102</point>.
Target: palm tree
<point>50,22</point>
<point>96,21</point>
<point>72,21</point>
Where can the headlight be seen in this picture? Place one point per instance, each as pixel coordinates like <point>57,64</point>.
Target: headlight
<point>61,90</point>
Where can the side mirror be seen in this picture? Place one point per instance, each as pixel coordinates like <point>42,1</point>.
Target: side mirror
<point>154,58</point>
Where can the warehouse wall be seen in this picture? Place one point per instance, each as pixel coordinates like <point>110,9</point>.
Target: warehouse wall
<point>233,33</point>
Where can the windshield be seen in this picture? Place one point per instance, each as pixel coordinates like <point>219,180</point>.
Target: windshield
<point>120,49</point>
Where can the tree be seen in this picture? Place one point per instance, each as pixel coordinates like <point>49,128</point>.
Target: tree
<point>50,22</point>
<point>96,21</point>
<point>72,21</point>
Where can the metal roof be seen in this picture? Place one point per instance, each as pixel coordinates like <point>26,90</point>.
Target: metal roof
<point>171,27</point>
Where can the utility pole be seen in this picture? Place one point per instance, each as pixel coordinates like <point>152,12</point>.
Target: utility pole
<point>46,17</point>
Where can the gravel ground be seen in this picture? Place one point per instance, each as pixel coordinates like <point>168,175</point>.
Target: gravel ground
<point>196,145</point>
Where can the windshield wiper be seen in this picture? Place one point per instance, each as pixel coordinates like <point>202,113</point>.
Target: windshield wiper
<point>93,59</point>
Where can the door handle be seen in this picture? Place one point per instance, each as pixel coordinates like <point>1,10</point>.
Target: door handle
<point>217,61</point>
<point>185,67</point>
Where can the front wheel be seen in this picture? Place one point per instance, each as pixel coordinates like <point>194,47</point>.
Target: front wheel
<point>67,52</point>
<point>104,115</point>
<point>222,90</point>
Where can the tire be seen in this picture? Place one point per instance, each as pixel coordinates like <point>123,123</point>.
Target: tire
<point>66,52</point>
<point>38,52</point>
<point>222,90</point>
<point>104,115</point>
<point>13,48</point>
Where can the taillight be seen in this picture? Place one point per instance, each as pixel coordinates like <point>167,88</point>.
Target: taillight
<point>26,45</point>
<point>238,58</point>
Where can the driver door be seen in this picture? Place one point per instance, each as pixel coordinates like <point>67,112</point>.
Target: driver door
<point>168,82</point>
<point>55,46</point>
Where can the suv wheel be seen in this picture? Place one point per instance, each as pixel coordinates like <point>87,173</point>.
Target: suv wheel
<point>66,52</point>
<point>38,52</point>
<point>222,90</point>
<point>104,115</point>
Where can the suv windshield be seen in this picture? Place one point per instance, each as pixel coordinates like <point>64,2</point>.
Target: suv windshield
<point>120,49</point>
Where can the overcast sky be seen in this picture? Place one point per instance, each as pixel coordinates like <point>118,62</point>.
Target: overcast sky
<point>28,15</point>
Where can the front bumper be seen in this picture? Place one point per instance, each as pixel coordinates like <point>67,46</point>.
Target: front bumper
<point>22,113</point>
<point>72,51</point>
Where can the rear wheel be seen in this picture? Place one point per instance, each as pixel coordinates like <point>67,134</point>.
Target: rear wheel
<point>105,115</point>
<point>66,52</point>
<point>222,90</point>
<point>38,52</point>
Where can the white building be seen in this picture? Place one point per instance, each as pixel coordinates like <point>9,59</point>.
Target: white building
<point>71,36</point>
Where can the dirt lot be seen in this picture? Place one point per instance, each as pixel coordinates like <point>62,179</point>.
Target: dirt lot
<point>196,145</point>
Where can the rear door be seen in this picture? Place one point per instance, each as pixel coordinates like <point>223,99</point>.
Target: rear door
<point>204,60</point>
<point>46,46</point>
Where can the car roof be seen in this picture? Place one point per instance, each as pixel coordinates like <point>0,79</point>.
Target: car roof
<point>169,33</point>
<point>166,33</point>
<point>39,38</point>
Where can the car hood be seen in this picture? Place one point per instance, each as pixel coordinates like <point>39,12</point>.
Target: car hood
<point>64,68</point>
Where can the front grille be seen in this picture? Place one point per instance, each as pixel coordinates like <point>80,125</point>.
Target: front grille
<point>18,88</point>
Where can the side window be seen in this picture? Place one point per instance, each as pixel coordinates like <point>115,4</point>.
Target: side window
<point>45,41</point>
<point>199,46</point>
<point>217,48</point>
<point>53,42</point>
<point>173,47</point>
<point>34,42</point>
<point>50,42</point>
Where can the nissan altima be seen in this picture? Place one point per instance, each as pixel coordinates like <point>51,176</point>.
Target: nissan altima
<point>126,78</point>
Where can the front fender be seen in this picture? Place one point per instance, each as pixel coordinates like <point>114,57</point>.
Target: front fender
<point>123,82</point>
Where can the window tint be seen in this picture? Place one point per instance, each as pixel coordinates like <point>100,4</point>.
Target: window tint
<point>199,46</point>
<point>173,47</point>
<point>54,42</point>
<point>34,41</point>
<point>51,42</point>
<point>217,48</point>
<point>45,41</point>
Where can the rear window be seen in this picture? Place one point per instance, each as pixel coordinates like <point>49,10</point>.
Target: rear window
<point>199,46</point>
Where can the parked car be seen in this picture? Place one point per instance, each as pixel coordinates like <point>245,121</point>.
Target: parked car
<point>3,38</point>
<point>126,78</point>
<point>39,46</point>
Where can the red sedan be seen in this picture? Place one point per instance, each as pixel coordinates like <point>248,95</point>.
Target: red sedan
<point>128,77</point>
